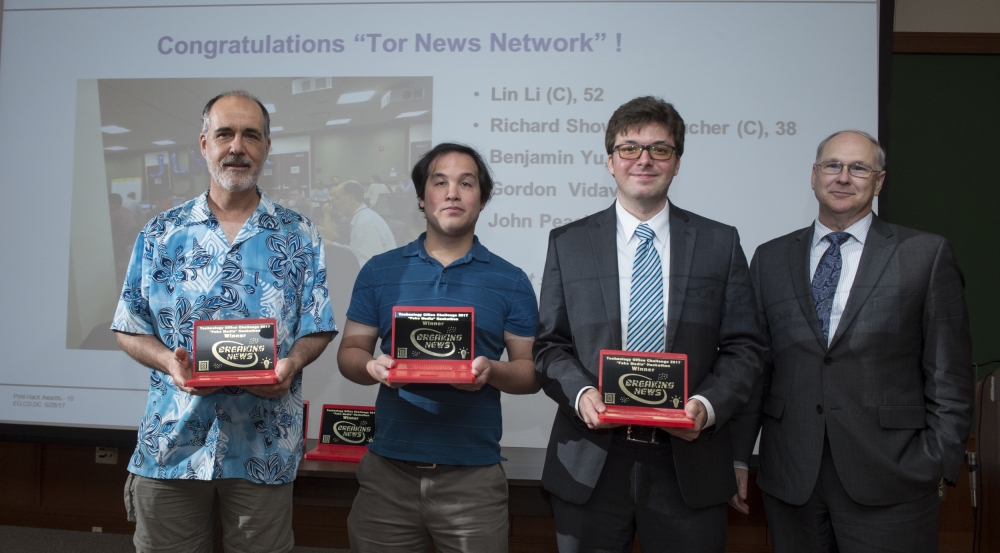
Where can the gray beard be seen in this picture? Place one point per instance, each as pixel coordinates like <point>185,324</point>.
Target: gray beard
<point>231,182</point>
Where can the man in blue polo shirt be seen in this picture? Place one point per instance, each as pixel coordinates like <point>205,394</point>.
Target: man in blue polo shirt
<point>433,471</point>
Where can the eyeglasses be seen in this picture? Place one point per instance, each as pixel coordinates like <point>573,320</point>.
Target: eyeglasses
<point>659,152</point>
<point>855,169</point>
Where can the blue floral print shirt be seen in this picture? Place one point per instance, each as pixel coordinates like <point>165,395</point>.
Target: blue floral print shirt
<point>182,270</point>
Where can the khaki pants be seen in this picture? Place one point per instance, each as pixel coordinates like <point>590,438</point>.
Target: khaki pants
<point>400,508</point>
<point>178,515</point>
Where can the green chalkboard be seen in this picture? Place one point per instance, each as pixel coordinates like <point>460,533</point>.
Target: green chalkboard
<point>944,166</point>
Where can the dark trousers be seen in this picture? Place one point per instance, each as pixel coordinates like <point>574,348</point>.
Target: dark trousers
<point>831,522</point>
<point>638,491</point>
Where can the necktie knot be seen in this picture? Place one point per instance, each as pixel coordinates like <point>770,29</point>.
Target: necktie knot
<point>644,233</point>
<point>838,238</point>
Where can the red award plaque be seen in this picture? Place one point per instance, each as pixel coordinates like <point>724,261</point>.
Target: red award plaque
<point>433,345</point>
<point>344,433</point>
<point>234,353</point>
<point>643,388</point>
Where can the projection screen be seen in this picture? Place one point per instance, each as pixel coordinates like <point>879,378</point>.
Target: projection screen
<point>103,98</point>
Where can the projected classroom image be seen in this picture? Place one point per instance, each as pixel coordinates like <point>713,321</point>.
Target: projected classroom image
<point>336,143</point>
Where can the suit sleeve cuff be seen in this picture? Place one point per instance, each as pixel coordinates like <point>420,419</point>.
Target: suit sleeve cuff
<point>578,396</point>
<point>709,412</point>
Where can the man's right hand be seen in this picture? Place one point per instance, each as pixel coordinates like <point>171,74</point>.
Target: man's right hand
<point>179,369</point>
<point>379,370</point>
<point>590,407</point>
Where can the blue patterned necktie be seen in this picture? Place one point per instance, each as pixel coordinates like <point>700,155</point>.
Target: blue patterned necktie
<point>645,305</point>
<point>824,284</point>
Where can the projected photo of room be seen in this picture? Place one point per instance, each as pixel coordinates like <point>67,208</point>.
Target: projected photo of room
<point>337,144</point>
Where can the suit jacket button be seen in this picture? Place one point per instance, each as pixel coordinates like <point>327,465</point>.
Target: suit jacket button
<point>819,409</point>
<point>828,360</point>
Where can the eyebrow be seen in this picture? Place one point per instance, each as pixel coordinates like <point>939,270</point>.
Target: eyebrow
<point>231,129</point>
<point>462,176</point>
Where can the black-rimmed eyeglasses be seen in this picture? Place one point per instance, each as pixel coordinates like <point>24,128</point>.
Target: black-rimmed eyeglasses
<point>659,152</point>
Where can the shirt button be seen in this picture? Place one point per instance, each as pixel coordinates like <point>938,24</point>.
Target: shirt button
<point>819,409</point>
<point>828,360</point>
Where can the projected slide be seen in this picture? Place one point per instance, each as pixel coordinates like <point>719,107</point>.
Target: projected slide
<point>100,111</point>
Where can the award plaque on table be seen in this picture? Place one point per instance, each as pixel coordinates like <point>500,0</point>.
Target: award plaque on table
<point>433,345</point>
<point>238,352</point>
<point>644,388</point>
<point>344,433</point>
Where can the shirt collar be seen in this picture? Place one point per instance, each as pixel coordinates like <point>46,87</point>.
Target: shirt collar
<point>199,212</point>
<point>859,230</point>
<point>659,223</point>
<point>478,251</point>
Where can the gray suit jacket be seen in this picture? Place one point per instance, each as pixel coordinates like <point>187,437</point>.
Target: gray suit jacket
<point>711,318</point>
<point>894,390</point>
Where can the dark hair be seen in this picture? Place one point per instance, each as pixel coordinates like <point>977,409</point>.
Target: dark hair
<point>242,94</point>
<point>641,112</point>
<point>422,170</point>
<point>353,189</point>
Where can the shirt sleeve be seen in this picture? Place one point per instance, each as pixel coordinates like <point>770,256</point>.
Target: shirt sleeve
<point>316,314</point>
<point>363,308</point>
<point>132,314</point>
<point>523,317</point>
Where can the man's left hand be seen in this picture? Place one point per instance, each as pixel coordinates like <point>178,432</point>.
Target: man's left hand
<point>694,410</point>
<point>284,370</point>
<point>739,501</point>
<point>481,367</point>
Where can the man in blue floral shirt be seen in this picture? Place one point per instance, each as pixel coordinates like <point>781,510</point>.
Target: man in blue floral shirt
<point>230,253</point>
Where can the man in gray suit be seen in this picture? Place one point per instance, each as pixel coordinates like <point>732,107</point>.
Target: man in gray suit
<point>669,485</point>
<point>867,388</point>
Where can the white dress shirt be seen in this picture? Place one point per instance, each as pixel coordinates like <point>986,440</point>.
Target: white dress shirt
<point>850,254</point>
<point>370,235</point>
<point>627,243</point>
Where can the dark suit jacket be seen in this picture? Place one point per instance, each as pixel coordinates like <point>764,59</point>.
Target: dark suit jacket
<point>893,392</point>
<point>711,318</point>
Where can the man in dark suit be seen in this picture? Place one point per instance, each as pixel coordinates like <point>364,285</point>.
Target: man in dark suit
<point>867,388</point>
<point>609,482</point>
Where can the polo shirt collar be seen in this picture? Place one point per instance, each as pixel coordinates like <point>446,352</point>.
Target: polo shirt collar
<point>478,251</point>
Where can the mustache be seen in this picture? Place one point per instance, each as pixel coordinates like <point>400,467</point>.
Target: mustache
<point>236,160</point>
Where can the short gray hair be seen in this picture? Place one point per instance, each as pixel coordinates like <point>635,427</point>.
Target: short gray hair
<point>242,94</point>
<point>879,150</point>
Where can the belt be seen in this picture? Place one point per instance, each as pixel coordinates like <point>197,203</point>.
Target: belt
<point>640,434</point>
<point>418,464</point>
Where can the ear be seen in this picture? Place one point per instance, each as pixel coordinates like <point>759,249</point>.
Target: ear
<point>611,163</point>
<point>878,182</point>
<point>203,144</point>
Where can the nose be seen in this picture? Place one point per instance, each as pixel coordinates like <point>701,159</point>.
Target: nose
<point>237,146</point>
<point>644,157</point>
<point>453,190</point>
<point>844,176</point>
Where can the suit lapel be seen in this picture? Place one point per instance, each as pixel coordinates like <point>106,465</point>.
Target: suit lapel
<point>798,255</point>
<point>603,239</point>
<point>879,245</point>
<point>682,239</point>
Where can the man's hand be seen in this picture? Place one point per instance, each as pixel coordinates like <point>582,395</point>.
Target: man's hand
<point>481,367</point>
<point>379,370</point>
<point>305,350</point>
<point>284,372</point>
<point>694,410</point>
<point>179,369</point>
<point>739,501</point>
<point>590,407</point>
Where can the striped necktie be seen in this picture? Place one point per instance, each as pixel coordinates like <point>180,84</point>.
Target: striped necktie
<point>824,283</point>
<point>646,331</point>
